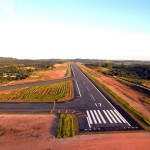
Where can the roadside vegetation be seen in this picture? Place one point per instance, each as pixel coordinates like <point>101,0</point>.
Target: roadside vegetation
<point>59,92</point>
<point>132,72</point>
<point>68,72</point>
<point>68,126</point>
<point>137,115</point>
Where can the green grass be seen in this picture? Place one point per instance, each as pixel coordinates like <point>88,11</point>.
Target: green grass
<point>68,72</point>
<point>67,126</point>
<point>46,93</point>
<point>121,101</point>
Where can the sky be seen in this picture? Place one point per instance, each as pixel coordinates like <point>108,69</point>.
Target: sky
<point>67,29</point>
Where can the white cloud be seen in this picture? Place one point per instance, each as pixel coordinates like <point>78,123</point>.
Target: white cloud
<point>24,39</point>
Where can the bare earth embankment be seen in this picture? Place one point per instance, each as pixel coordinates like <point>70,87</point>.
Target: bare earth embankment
<point>58,72</point>
<point>135,98</point>
<point>37,132</point>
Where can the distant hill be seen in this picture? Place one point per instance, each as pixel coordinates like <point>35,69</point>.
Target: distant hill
<point>13,61</point>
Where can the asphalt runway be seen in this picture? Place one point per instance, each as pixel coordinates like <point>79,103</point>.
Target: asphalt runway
<point>94,111</point>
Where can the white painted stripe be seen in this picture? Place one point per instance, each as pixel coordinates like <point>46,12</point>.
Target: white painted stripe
<point>121,117</point>
<point>92,97</point>
<point>101,116</point>
<point>115,116</point>
<point>72,70</point>
<point>89,117</point>
<point>87,88</point>
<point>107,116</point>
<point>93,117</point>
<point>100,104</point>
<point>95,104</point>
<point>97,116</point>
<point>88,122</point>
<point>98,90</point>
<point>111,116</point>
<point>78,88</point>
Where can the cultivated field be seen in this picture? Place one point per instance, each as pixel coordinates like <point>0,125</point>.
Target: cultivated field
<point>46,93</point>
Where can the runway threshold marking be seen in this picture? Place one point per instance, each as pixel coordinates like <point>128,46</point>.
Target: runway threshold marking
<point>89,117</point>
<point>121,117</point>
<point>111,116</point>
<point>97,117</point>
<point>116,116</point>
<point>78,88</point>
<point>101,116</point>
<point>88,122</point>
<point>93,117</point>
<point>107,116</point>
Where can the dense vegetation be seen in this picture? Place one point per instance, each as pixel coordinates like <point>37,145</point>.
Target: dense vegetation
<point>136,73</point>
<point>15,69</point>
<point>67,126</point>
<point>46,93</point>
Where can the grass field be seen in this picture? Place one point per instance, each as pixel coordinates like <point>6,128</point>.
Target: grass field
<point>46,93</point>
<point>67,126</point>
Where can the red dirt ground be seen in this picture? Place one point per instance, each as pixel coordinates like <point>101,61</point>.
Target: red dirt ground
<point>58,72</point>
<point>37,132</point>
<point>130,95</point>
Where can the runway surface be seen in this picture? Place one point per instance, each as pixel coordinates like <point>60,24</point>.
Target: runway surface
<point>94,111</point>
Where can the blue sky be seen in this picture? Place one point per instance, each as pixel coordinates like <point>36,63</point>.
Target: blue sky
<point>102,29</point>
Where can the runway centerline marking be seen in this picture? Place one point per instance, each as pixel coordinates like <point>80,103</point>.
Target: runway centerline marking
<point>72,71</point>
<point>98,90</point>
<point>87,88</point>
<point>92,97</point>
<point>78,88</point>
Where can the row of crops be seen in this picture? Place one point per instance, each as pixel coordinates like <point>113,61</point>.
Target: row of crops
<point>46,93</point>
<point>66,126</point>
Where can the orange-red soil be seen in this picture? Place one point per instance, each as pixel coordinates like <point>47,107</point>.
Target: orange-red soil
<point>37,132</point>
<point>57,73</point>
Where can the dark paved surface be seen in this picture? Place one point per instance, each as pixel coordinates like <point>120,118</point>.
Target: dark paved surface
<point>10,87</point>
<point>94,111</point>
